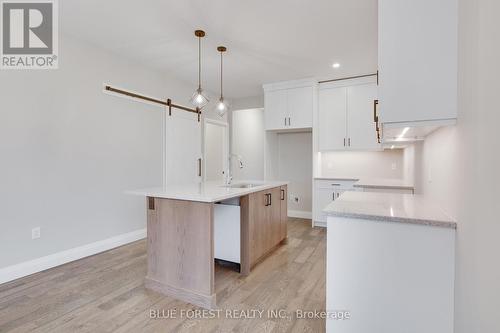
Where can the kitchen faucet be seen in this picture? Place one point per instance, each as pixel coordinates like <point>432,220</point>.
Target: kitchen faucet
<point>229,177</point>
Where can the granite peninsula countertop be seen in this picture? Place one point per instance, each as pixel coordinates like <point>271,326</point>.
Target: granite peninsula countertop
<point>390,207</point>
<point>210,191</point>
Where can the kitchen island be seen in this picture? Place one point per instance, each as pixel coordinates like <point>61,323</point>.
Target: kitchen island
<point>390,263</point>
<point>180,228</point>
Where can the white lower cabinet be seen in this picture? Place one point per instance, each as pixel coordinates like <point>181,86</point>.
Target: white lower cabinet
<point>326,191</point>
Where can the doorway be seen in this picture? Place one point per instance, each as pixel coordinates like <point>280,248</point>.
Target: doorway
<point>216,147</point>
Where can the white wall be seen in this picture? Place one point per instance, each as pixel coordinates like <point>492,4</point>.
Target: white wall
<point>409,167</point>
<point>460,169</point>
<point>255,102</point>
<point>362,164</point>
<point>295,165</point>
<point>247,140</point>
<point>68,151</point>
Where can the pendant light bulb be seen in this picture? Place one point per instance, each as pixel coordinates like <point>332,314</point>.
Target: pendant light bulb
<point>199,99</point>
<point>221,107</point>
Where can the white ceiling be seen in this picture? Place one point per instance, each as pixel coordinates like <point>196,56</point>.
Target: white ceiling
<point>267,40</point>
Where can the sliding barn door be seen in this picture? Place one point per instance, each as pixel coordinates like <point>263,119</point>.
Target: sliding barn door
<point>183,148</point>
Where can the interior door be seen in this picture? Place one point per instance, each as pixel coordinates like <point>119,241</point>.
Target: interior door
<point>275,109</point>
<point>300,107</point>
<point>361,131</point>
<point>215,150</point>
<point>183,148</point>
<point>332,118</point>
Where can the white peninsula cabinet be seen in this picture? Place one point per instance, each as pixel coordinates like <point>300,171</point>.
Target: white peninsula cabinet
<point>289,105</point>
<point>417,62</point>
<point>390,264</point>
<point>345,115</point>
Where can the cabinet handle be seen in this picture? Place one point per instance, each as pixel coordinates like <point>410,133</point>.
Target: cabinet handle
<point>338,194</point>
<point>270,199</point>
<point>335,184</point>
<point>289,121</point>
<point>375,117</point>
<point>199,167</point>
<point>344,142</point>
<point>333,196</point>
<point>282,195</point>
<point>151,203</point>
<point>349,142</point>
<point>285,121</point>
<point>267,200</point>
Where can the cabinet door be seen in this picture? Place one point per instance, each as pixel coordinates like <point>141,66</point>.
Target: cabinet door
<point>417,60</point>
<point>258,225</point>
<point>275,109</point>
<point>361,129</point>
<point>332,119</point>
<point>300,107</point>
<point>283,211</point>
<point>322,199</point>
<point>274,208</point>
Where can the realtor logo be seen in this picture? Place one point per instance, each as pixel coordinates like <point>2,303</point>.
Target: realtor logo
<point>29,34</point>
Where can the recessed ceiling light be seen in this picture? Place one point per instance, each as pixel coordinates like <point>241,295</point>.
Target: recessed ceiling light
<point>336,65</point>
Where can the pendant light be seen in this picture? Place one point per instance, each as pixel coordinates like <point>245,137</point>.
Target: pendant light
<point>221,107</point>
<point>199,99</point>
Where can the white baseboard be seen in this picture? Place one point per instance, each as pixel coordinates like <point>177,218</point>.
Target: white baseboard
<point>300,214</point>
<point>320,224</point>
<point>40,264</point>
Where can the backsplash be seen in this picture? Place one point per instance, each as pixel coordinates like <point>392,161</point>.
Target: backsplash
<point>383,164</point>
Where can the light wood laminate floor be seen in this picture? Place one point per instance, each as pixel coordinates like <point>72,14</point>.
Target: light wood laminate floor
<point>105,293</point>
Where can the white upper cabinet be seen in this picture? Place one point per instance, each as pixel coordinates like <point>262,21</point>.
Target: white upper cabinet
<point>417,60</point>
<point>300,107</point>
<point>332,120</point>
<point>361,132</point>
<point>289,105</point>
<point>275,109</point>
<point>345,116</point>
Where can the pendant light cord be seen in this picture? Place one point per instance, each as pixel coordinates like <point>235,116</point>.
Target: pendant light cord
<point>199,62</point>
<point>221,75</point>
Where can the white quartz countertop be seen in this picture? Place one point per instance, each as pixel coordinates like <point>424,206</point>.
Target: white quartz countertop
<point>388,183</point>
<point>207,191</point>
<point>381,183</point>
<point>390,207</point>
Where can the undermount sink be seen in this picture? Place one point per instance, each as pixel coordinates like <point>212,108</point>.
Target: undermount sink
<point>242,185</point>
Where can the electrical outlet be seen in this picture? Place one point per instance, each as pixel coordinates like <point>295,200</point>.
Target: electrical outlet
<point>35,233</point>
<point>394,166</point>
